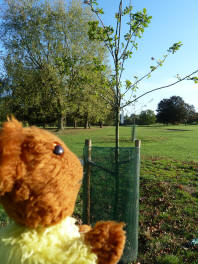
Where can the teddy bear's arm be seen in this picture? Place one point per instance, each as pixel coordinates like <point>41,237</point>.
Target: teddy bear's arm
<point>107,240</point>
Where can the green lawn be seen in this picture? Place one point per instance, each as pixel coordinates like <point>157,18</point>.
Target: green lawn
<point>177,142</point>
<point>168,187</point>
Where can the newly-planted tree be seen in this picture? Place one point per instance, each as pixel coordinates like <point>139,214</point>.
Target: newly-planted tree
<point>121,44</point>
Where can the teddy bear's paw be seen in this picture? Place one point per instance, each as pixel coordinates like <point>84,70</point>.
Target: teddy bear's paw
<point>107,240</point>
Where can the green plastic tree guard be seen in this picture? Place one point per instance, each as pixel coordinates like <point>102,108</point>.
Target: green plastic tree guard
<point>111,190</point>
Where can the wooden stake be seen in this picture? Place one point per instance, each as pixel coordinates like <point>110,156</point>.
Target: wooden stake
<point>137,143</point>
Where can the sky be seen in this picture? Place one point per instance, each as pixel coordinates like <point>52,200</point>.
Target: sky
<point>172,21</point>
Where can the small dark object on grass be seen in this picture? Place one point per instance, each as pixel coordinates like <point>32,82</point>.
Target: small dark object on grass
<point>192,244</point>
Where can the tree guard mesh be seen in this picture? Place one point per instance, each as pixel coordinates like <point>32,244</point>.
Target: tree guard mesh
<point>111,191</point>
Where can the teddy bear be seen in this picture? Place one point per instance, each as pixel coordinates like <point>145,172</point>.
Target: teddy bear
<point>39,182</point>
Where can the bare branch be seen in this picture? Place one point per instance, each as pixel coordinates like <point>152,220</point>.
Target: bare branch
<point>159,88</point>
<point>122,65</point>
<point>31,57</point>
<point>128,41</point>
<point>120,24</point>
<point>143,77</point>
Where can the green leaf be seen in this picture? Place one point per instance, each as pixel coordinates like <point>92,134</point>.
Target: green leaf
<point>195,79</point>
<point>176,46</point>
<point>99,10</point>
<point>128,83</point>
<point>148,76</point>
<point>153,68</point>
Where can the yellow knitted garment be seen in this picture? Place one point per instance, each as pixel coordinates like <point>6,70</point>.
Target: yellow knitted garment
<point>59,244</point>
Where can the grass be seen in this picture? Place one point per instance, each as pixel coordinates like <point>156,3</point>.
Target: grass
<point>168,187</point>
<point>177,142</point>
<point>168,211</point>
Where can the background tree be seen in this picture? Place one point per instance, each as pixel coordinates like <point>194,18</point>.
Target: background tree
<point>47,48</point>
<point>191,114</point>
<point>89,102</point>
<point>147,117</point>
<point>128,120</point>
<point>173,110</point>
<point>5,98</point>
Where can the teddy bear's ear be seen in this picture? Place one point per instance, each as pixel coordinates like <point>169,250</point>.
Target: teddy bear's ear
<point>11,138</point>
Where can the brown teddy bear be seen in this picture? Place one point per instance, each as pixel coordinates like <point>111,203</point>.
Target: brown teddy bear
<point>39,182</point>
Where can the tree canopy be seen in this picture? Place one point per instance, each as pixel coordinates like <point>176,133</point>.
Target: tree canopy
<point>147,117</point>
<point>174,110</point>
<point>50,61</point>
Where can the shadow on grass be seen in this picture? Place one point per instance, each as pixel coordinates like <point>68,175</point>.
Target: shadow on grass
<point>177,129</point>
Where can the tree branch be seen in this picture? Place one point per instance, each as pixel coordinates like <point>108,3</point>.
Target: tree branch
<point>143,77</point>
<point>120,24</point>
<point>108,46</point>
<point>159,88</point>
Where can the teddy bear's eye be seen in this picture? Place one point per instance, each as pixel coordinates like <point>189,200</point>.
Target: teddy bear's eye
<point>58,150</point>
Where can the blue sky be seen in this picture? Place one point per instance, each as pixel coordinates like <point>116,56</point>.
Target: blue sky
<point>173,21</point>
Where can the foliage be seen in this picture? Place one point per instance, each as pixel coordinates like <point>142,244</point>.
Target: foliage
<point>89,102</point>
<point>174,110</point>
<point>168,259</point>
<point>192,116</point>
<point>47,53</point>
<point>128,120</point>
<point>120,47</point>
<point>147,117</point>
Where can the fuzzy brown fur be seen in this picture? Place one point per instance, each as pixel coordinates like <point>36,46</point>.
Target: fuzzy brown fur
<point>39,187</point>
<point>107,240</point>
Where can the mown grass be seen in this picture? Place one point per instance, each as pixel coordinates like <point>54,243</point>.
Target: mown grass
<point>177,142</point>
<point>168,211</point>
<point>168,187</point>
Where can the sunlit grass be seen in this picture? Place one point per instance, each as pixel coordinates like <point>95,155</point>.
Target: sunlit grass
<point>168,187</point>
<point>177,142</point>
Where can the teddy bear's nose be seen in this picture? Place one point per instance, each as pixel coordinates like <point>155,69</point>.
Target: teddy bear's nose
<point>58,150</point>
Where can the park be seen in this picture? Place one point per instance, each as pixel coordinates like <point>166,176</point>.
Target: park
<point>65,68</point>
<point>168,186</point>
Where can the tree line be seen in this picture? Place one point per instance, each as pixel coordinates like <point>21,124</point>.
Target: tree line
<point>173,110</point>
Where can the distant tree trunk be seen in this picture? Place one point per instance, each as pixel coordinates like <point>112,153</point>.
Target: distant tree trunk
<point>61,122</point>
<point>101,124</point>
<point>75,124</point>
<point>86,124</point>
